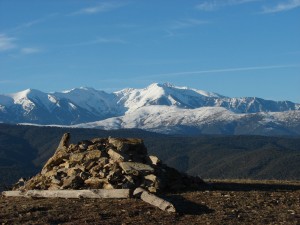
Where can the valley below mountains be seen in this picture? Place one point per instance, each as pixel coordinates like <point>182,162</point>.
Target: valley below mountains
<point>25,150</point>
<point>161,108</point>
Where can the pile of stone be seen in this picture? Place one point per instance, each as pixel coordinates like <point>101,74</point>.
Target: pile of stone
<point>107,163</point>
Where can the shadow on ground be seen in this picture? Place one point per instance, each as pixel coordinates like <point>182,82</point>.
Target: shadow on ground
<point>186,207</point>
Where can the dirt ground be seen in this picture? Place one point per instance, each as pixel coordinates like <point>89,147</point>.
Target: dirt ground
<point>220,202</point>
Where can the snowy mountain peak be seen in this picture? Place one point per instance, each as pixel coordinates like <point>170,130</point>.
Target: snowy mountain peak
<point>167,84</point>
<point>24,94</point>
<point>30,98</point>
<point>165,94</point>
<point>79,89</point>
<point>160,105</point>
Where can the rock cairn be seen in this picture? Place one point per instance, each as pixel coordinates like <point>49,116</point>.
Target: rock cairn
<point>107,163</point>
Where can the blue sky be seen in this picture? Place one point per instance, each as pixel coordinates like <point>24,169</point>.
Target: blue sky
<point>232,47</point>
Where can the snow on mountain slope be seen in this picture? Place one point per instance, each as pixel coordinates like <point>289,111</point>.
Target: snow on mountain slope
<point>75,106</point>
<point>160,107</point>
<point>30,98</point>
<point>163,94</point>
<point>183,97</point>
<point>149,117</point>
<point>97,102</point>
<point>253,105</point>
<point>205,120</point>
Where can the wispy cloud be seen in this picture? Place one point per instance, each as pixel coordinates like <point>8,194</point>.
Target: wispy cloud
<point>99,41</point>
<point>224,70</point>
<point>213,5</point>
<point>102,7</point>
<point>28,51</point>
<point>32,23</point>
<point>187,23</point>
<point>28,24</point>
<point>174,28</point>
<point>282,6</point>
<point>6,42</point>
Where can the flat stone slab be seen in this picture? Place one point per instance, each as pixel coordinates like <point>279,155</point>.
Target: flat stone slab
<point>93,193</point>
<point>129,167</point>
<point>96,193</point>
<point>116,156</point>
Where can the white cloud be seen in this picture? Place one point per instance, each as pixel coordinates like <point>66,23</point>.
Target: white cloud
<point>283,6</point>
<point>28,24</point>
<point>186,23</point>
<point>6,42</point>
<point>213,5</point>
<point>238,69</point>
<point>28,51</point>
<point>32,23</point>
<point>102,7</point>
<point>208,6</point>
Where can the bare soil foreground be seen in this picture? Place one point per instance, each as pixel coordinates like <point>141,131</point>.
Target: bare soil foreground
<point>220,202</point>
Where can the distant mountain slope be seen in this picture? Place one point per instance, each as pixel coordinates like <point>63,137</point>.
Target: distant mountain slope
<point>24,149</point>
<point>158,107</point>
<point>188,98</point>
<point>70,107</point>
<point>204,120</point>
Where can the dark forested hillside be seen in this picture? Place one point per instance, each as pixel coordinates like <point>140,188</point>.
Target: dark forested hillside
<point>255,157</point>
<point>24,149</point>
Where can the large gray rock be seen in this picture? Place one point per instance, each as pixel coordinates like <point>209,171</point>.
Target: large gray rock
<point>132,167</point>
<point>58,158</point>
<point>130,146</point>
<point>117,156</point>
<point>77,157</point>
<point>92,155</point>
<point>64,142</point>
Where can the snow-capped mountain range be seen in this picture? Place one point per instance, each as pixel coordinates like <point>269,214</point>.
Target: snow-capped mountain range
<point>159,107</point>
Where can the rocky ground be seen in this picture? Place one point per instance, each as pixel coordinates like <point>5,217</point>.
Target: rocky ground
<point>220,202</point>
